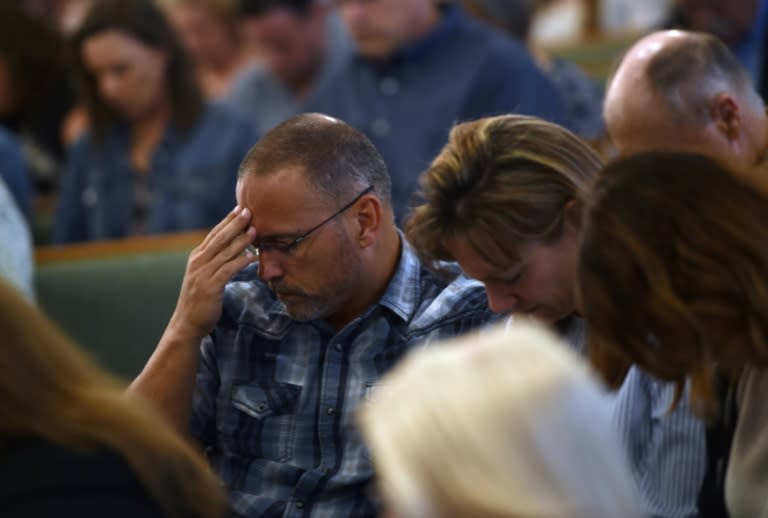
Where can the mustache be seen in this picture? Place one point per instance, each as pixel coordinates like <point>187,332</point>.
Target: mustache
<point>278,286</point>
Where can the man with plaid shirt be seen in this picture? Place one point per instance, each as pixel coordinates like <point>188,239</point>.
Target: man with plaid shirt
<point>291,345</point>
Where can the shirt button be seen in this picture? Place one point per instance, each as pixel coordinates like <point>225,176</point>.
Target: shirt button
<point>261,407</point>
<point>380,127</point>
<point>389,86</point>
<point>338,347</point>
<point>330,410</point>
<point>300,504</point>
<point>90,197</point>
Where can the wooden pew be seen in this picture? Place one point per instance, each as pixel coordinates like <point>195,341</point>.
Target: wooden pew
<point>597,57</point>
<point>114,298</point>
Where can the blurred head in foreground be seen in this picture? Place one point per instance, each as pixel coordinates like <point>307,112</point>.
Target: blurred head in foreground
<point>498,424</point>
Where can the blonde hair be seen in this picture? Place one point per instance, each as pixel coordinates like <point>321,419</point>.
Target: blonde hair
<point>50,390</point>
<point>508,178</point>
<point>499,424</point>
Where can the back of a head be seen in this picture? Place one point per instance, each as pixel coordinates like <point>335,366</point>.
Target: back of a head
<point>675,237</point>
<point>34,57</point>
<point>730,20</point>
<point>498,424</point>
<point>339,161</point>
<point>225,12</point>
<point>144,21</point>
<point>50,391</point>
<point>512,16</point>
<point>260,7</point>
<point>508,176</point>
<point>683,72</point>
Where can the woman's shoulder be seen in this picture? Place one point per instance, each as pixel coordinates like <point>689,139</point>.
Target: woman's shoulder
<point>220,134</point>
<point>39,478</point>
<point>218,113</point>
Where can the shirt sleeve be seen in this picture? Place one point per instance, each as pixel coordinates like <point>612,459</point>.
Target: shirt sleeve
<point>666,449</point>
<point>70,220</point>
<point>203,419</point>
<point>510,82</point>
<point>14,172</point>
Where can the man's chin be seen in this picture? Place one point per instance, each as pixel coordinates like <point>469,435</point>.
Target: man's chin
<point>300,310</point>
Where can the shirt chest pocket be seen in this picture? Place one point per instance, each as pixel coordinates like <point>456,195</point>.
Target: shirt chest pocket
<point>260,420</point>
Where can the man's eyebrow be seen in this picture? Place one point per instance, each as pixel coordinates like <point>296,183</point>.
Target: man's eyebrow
<point>277,237</point>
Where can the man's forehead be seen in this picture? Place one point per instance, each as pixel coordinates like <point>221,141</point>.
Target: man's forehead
<point>286,187</point>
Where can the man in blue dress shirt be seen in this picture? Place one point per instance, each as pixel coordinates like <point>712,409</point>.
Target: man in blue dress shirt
<point>419,69</point>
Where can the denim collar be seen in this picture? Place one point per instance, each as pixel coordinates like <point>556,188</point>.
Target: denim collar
<point>403,292</point>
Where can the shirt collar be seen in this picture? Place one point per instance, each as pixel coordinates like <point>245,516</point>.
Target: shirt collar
<point>403,293</point>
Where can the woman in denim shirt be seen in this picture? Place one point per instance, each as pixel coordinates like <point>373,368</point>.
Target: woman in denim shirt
<point>157,158</point>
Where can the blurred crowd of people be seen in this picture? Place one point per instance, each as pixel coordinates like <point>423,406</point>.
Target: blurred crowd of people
<point>402,172</point>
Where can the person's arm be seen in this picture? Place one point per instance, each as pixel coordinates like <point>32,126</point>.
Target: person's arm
<point>14,172</point>
<point>70,220</point>
<point>666,449</point>
<point>168,379</point>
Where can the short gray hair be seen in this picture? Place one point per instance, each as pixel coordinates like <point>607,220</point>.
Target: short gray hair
<point>687,74</point>
<point>338,160</point>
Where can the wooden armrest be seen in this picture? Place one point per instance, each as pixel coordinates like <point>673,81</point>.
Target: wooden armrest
<point>118,247</point>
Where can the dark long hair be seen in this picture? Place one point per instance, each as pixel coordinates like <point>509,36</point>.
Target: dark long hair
<point>145,22</point>
<point>673,271</point>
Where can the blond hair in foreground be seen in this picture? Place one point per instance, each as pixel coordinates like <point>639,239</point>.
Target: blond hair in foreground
<point>504,423</point>
<point>50,390</point>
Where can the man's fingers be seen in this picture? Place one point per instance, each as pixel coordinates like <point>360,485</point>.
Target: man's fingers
<point>230,268</point>
<point>234,226</point>
<point>238,245</point>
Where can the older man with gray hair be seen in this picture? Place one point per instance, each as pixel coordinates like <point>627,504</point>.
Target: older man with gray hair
<point>685,91</point>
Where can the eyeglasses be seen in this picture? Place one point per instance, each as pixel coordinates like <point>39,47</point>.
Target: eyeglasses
<point>257,248</point>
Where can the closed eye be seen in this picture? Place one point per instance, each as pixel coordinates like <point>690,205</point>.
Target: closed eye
<point>281,246</point>
<point>510,277</point>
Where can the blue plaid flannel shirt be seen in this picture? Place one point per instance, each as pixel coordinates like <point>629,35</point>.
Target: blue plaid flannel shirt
<point>275,399</point>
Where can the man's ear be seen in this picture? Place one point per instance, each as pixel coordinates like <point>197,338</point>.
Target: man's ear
<point>368,217</point>
<point>726,115</point>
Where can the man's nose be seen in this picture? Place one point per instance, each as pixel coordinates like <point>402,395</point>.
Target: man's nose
<point>109,87</point>
<point>270,267</point>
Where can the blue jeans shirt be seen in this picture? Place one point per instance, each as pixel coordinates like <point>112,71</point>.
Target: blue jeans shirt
<point>191,180</point>
<point>276,399</point>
